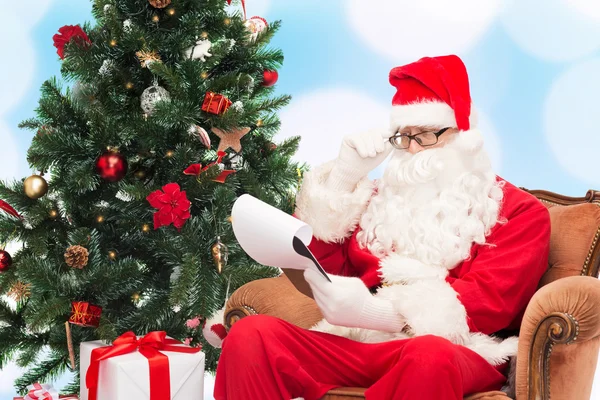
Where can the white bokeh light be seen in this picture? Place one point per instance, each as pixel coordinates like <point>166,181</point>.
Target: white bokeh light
<point>17,74</point>
<point>492,143</point>
<point>31,11</point>
<point>323,118</point>
<point>405,30</point>
<point>551,30</point>
<point>589,8</point>
<point>571,120</point>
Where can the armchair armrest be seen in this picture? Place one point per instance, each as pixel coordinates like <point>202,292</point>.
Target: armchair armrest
<point>277,297</point>
<point>559,341</point>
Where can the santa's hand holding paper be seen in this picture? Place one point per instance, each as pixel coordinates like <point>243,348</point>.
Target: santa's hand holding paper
<point>346,301</point>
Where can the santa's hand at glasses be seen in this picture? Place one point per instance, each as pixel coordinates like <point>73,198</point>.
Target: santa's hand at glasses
<point>359,154</point>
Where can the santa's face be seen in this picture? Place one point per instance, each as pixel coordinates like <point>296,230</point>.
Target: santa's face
<point>433,204</point>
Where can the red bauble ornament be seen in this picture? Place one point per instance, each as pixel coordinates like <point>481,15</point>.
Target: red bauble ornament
<point>5,260</point>
<point>270,78</point>
<point>111,166</point>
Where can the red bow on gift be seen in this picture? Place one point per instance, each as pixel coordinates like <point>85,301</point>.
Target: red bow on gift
<point>149,346</point>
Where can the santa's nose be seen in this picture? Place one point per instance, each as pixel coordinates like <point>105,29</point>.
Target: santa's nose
<point>414,147</point>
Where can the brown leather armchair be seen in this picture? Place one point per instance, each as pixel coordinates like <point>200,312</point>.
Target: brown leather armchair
<point>560,332</point>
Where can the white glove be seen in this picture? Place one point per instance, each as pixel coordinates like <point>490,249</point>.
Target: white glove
<point>359,154</point>
<point>346,301</point>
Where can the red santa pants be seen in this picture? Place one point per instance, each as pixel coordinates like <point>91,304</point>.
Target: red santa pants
<point>267,358</point>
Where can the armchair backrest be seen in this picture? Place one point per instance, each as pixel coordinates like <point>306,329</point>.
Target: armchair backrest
<point>575,236</point>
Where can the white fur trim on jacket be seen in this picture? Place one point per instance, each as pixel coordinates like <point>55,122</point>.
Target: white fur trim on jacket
<point>397,268</point>
<point>333,215</point>
<point>426,114</point>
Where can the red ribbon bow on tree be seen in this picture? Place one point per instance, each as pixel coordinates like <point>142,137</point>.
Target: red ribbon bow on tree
<point>149,346</point>
<point>197,169</point>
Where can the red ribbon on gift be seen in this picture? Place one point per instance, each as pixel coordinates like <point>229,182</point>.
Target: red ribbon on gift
<point>149,346</point>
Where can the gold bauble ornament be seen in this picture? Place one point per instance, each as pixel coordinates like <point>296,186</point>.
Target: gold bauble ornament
<point>35,187</point>
<point>220,254</point>
<point>159,3</point>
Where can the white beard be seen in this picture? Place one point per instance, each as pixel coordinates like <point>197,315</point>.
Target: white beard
<point>432,206</point>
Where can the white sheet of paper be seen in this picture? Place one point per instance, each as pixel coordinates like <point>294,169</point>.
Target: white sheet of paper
<point>267,234</point>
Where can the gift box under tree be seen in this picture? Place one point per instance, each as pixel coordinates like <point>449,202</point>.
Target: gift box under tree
<point>153,367</point>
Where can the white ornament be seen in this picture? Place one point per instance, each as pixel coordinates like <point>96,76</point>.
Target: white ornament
<point>106,67</point>
<point>255,26</point>
<point>127,25</point>
<point>107,8</point>
<point>151,96</point>
<point>200,50</point>
<point>238,106</point>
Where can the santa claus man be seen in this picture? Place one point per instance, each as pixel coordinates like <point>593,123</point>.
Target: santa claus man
<point>432,266</point>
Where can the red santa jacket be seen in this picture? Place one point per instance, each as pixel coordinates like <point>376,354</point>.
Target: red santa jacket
<point>494,285</point>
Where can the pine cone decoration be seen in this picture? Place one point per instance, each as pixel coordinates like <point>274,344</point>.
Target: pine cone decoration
<point>76,256</point>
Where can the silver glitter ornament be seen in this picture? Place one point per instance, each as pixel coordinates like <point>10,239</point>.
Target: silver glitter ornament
<point>152,96</point>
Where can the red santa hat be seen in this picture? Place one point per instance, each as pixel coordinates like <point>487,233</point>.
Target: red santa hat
<point>432,91</point>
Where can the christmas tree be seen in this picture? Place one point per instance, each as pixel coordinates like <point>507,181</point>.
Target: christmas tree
<point>165,115</point>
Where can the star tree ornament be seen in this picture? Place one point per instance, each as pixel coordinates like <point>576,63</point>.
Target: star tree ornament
<point>152,96</point>
<point>230,139</point>
<point>199,51</point>
<point>19,291</point>
<point>147,57</point>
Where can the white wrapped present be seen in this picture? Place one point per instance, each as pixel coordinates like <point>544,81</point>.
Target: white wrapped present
<point>152,367</point>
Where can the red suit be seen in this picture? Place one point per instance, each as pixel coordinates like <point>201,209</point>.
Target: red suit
<point>264,357</point>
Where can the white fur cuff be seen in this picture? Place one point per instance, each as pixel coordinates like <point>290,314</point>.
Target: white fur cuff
<point>332,214</point>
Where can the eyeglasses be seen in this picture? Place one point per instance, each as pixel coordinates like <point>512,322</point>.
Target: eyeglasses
<point>425,139</point>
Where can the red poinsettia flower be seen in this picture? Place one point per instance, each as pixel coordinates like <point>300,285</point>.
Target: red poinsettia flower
<point>172,204</point>
<point>66,34</point>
